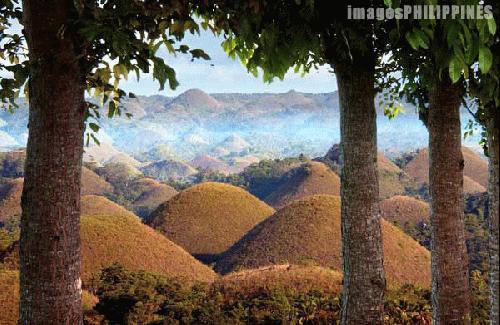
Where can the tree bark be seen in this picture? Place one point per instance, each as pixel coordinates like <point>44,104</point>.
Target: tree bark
<point>50,224</point>
<point>450,276</point>
<point>493,129</point>
<point>363,264</point>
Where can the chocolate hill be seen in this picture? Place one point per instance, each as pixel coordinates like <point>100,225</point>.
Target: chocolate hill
<point>208,218</point>
<point>308,232</point>
<point>308,179</point>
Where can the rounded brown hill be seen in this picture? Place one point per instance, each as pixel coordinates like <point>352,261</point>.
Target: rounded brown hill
<point>10,198</point>
<point>404,210</point>
<point>308,232</point>
<point>295,278</point>
<point>208,218</point>
<point>93,183</point>
<point>153,193</point>
<point>474,167</point>
<point>308,179</point>
<point>127,241</point>
<point>99,205</point>
<point>122,238</point>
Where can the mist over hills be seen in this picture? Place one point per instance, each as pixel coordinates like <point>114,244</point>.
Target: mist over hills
<point>233,127</point>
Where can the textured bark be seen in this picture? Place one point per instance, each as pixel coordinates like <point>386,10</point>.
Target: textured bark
<point>450,278</point>
<point>50,239</point>
<point>494,189</point>
<point>364,278</point>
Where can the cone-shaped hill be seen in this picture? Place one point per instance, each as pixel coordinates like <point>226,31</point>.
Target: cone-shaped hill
<point>475,169</point>
<point>127,241</point>
<point>111,234</point>
<point>308,179</point>
<point>392,180</point>
<point>208,218</point>
<point>404,210</point>
<point>298,278</point>
<point>99,205</point>
<point>308,231</point>
<point>9,297</point>
<point>11,190</point>
<point>153,193</point>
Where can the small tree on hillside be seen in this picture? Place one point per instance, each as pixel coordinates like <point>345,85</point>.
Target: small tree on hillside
<point>73,47</point>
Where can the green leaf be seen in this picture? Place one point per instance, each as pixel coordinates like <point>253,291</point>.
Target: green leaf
<point>455,69</point>
<point>492,26</point>
<point>485,59</point>
<point>94,127</point>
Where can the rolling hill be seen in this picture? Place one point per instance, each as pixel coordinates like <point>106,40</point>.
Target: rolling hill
<point>308,232</point>
<point>153,193</point>
<point>165,170</point>
<point>208,218</point>
<point>308,179</point>
<point>475,169</point>
<point>111,234</point>
<point>296,278</point>
<point>404,210</point>
<point>92,184</point>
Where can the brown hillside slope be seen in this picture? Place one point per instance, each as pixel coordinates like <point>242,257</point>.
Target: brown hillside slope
<point>208,218</point>
<point>404,210</point>
<point>296,278</point>
<point>475,168</point>
<point>153,193</point>
<point>9,297</point>
<point>308,231</point>
<point>99,205</point>
<point>125,240</point>
<point>93,184</point>
<point>471,186</point>
<point>10,198</point>
<point>308,179</point>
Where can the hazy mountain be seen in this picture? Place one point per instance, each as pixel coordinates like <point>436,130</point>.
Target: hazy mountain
<point>227,125</point>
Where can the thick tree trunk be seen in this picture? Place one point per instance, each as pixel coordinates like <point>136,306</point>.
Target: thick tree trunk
<point>364,279</point>
<point>450,277</point>
<point>50,238</point>
<point>494,189</point>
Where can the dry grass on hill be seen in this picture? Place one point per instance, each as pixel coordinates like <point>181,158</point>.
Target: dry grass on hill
<point>308,179</point>
<point>403,210</point>
<point>153,195</point>
<point>93,184</point>
<point>308,232</point>
<point>125,240</point>
<point>475,168</point>
<point>99,205</point>
<point>295,278</point>
<point>9,297</point>
<point>472,187</point>
<point>208,218</point>
<point>10,198</point>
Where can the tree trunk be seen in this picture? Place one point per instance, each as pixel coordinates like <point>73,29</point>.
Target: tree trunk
<point>364,279</point>
<point>450,276</point>
<point>50,224</point>
<point>493,128</point>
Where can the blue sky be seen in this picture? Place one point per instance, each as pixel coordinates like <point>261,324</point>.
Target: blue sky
<point>222,75</point>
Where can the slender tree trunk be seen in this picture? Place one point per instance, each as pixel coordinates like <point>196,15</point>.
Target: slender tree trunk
<point>50,238</point>
<point>493,128</point>
<point>450,276</point>
<point>364,278</point>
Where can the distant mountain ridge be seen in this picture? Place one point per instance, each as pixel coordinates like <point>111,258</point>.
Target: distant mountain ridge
<point>196,123</point>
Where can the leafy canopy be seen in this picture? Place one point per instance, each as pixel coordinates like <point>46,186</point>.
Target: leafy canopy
<point>115,38</point>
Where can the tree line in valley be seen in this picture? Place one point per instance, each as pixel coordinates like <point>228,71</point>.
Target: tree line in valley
<point>67,48</point>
